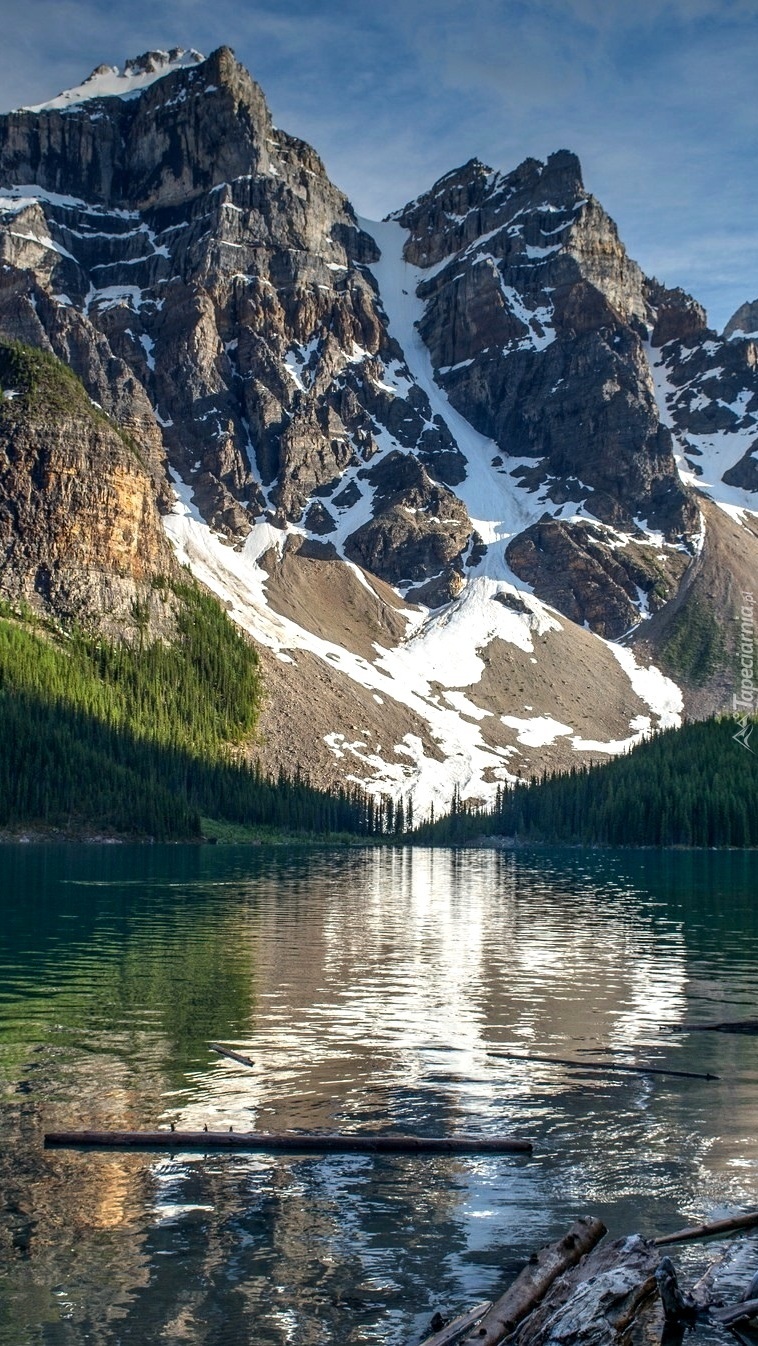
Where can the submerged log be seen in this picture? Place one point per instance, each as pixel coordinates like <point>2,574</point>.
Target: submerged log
<point>453,1331</point>
<point>598,1300</point>
<point>310,1142</point>
<point>535,1280</point>
<point>728,1026</point>
<point>704,1231</point>
<point>233,1056</point>
<point>604,1066</point>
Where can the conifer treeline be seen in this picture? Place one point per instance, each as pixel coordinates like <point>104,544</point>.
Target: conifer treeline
<point>135,739</point>
<point>694,786</point>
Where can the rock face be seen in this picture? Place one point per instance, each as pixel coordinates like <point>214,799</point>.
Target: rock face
<point>419,529</point>
<point>744,322</point>
<point>536,323</point>
<point>481,406</point>
<point>572,567</point>
<point>677,315</point>
<point>81,538</point>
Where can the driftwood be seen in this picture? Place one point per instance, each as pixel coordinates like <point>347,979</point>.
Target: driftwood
<point>604,1296</point>
<point>704,1231</point>
<point>535,1280</point>
<point>311,1142</point>
<point>729,1026</point>
<point>598,1300</point>
<point>678,1307</point>
<point>736,1313</point>
<point>453,1331</point>
<point>603,1066</point>
<point>682,1310</point>
<point>233,1056</point>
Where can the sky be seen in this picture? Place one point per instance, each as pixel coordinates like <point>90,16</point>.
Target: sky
<point>657,97</point>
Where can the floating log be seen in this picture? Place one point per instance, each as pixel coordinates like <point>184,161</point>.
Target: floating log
<point>454,1330</point>
<point>595,1302</point>
<point>535,1280</point>
<point>310,1142</point>
<point>603,1065</point>
<point>729,1026</point>
<point>233,1056</point>
<point>705,1231</point>
<point>736,1313</point>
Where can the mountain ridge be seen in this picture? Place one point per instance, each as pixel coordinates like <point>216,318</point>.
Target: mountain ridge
<point>439,461</point>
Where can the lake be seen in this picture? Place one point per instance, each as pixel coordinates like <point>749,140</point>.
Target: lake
<point>374,989</point>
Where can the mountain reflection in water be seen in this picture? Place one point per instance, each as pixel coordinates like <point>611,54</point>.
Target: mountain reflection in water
<point>372,988</point>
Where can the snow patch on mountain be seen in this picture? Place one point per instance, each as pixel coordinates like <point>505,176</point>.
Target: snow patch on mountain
<point>703,459</point>
<point>537,732</point>
<point>13,199</point>
<point>110,81</point>
<point>657,691</point>
<point>498,505</point>
<point>434,671</point>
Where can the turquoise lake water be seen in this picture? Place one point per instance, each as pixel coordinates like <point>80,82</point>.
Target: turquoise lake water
<point>374,990</point>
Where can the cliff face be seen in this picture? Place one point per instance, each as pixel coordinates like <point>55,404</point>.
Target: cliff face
<point>81,537</point>
<point>481,402</point>
<point>146,151</point>
<point>536,321</point>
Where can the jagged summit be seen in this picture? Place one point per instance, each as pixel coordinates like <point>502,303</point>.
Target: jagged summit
<point>560,173</point>
<point>475,199</point>
<point>112,81</point>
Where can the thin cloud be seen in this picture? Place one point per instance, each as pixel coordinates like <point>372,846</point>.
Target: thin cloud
<point>656,98</point>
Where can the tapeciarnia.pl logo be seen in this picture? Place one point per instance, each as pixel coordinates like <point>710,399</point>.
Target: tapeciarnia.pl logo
<point>745,704</point>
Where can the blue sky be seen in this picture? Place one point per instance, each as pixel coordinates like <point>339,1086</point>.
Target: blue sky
<point>658,98</point>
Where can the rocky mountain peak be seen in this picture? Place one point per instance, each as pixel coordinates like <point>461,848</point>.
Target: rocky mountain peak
<point>676,315</point>
<point>743,323</point>
<point>165,128</point>
<point>536,320</point>
<point>474,200</point>
<point>561,176</point>
<point>165,241</point>
<point>157,62</point>
<point>112,81</point>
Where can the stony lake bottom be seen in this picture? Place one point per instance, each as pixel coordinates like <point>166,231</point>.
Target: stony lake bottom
<point>375,989</point>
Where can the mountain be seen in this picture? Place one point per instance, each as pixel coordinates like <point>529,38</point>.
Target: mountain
<point>483,494</point>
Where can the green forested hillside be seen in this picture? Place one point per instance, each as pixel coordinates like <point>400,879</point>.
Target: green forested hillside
<point>200,691</point>
<point>138,740</point>
<point>695,786</point>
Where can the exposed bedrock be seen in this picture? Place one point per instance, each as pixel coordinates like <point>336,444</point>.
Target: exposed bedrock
<point>576,568</point>
<point>418,534</point>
